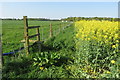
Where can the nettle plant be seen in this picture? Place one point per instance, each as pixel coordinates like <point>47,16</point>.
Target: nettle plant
<point>46,58</point>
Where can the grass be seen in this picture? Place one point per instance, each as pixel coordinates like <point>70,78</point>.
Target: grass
<point>19,66</point>
<point>13,32</point>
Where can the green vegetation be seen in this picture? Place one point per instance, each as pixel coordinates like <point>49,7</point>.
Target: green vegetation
<point>50,63</point>
<point>60,57</point>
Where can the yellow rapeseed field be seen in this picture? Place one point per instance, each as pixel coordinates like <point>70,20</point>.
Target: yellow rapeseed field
<point>97,43</point>
<point>100,31</point>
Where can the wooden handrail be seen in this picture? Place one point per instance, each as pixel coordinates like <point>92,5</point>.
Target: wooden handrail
<point>31,27</point>
<point>33,35</point>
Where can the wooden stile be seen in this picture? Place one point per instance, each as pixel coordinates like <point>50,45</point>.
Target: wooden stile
<point>27,37</point>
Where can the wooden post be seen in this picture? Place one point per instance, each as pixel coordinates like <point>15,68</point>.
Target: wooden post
<point>26,34</point>
<point>1,60</point>
<point>37,31</point>
<point>38,39</point>
<point>51,33</point>
<point>60,28</point>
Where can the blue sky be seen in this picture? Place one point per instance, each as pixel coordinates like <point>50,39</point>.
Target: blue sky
<point>59,0</point>
<point>57,10</point>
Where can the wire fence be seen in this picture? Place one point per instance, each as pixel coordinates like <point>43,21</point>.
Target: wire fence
<point>57,27</point>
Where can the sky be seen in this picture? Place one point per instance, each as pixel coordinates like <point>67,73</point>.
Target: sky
<point>59,0</point>
<point>58,10</point>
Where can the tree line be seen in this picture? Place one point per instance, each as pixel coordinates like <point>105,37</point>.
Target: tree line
<point>68,19</point>
<point>90,18</point>
<point>38,19</point>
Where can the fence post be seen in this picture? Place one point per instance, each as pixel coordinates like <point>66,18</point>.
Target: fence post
<point>26,34</point>
<point>38,39</point>
<point>2,60</point>
<point>60,28</point>
<point>51,32</point>
<point>42,35</point>
<point>37,31</point>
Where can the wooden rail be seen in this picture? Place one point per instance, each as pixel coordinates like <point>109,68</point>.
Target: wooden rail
<point>31,27</point>
<point>33,35</point>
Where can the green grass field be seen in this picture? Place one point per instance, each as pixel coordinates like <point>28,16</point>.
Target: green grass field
<point>13,32</point>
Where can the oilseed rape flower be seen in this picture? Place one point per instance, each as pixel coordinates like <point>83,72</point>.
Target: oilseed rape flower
<point>97,41</point>
<point>100,31</point>
<point>105,36</point>
<point>113,46</point>
<point>41,68</point>
<point>117,41</point>
<point>108,72</point>
<point>112,61</point>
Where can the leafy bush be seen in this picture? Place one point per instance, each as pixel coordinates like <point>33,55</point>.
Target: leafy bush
<point>45,59</point>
